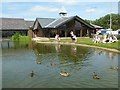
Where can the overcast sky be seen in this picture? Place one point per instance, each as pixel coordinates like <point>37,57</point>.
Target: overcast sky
<point>31,10</point>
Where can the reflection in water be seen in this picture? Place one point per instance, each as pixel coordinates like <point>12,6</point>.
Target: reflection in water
<point>111,55</point>
<point>57,48</point>
<point>98,52</point>
<point>51,62</point>
<point>66,58</point>
<point>15,45</point>
<point>73,50</point>
<point>112,58</point>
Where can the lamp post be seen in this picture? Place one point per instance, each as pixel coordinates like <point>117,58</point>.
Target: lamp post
<point>110,21</point>
<point>111,15</point>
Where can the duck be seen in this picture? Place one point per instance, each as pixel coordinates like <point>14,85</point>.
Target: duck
<point>53,64</point>
<point>95,76</point>
<point>32,74</point>
<point>114,68</point>
<point>38,62</point>
<point>65,74</point>
<point>38,54</point>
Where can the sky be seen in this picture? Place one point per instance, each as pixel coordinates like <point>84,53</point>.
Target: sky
<point>32,10</point>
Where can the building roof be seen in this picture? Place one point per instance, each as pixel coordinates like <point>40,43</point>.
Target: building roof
<point>29,23</point>
<point>58,22</point>
<point>15,24</point>
<point>83,21</point>
<point>44,21</point>
<point>96,26</point>
<point>54,23</point>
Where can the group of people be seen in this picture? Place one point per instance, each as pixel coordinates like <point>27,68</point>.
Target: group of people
<point>105,39</point>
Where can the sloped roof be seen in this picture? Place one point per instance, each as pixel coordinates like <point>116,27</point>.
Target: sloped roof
<point>96,26</point>
<point>54,23</point>
<point>29,23</point>
<point>13,24</point>
<point>83,21</point>
<point>44,21</point>
<point>58,22</point>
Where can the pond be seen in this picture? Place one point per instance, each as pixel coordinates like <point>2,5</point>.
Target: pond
<point>48,61</point>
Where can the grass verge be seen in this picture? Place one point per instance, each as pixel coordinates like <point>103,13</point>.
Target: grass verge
<point>89,41</point>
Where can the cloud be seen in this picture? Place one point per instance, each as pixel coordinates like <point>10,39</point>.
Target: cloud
<point>43,9</point>
<point>70,2</point>
<point>92,10</point>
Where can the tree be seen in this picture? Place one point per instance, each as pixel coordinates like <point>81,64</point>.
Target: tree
<point>105,21</point>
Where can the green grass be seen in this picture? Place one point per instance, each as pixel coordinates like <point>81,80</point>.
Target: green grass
<point>89,41</point>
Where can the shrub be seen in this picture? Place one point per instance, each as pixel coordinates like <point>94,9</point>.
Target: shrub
<point>19,37</point>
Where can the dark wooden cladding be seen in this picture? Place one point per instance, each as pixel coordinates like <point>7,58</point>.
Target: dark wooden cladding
<point>79,29</point>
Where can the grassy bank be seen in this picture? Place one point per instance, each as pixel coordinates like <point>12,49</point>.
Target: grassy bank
<point>88,41</point>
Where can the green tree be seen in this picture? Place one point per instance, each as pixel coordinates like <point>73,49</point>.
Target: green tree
<point>105,21</point>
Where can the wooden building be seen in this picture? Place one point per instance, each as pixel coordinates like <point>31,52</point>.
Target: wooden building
<point>47,27</point>
<point>10,26</point>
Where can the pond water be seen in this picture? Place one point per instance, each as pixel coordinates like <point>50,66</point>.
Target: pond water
<point>47,61</point>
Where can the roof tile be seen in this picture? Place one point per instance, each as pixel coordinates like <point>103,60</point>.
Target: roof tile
<point>44,21</point>
<point>13,24</point>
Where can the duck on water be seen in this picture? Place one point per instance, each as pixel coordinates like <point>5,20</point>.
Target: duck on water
<point>64,74</point>
<point>32,74</point>
<point>95,76</point>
